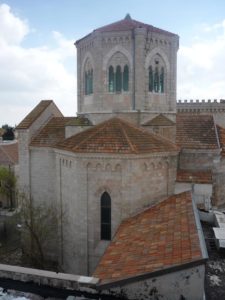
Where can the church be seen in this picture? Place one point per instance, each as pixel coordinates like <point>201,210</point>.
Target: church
<point>128,171</point>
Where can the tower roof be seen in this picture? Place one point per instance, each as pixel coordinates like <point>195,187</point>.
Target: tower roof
<point>128,24</point>
<point>116,136</point>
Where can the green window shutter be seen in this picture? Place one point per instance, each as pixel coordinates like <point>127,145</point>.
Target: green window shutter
<point>156,80</point>
<point>161,81</point>
<point>126,78</point>
<point>111,79</point>
<point>118,79</point>
<point>150,79</point>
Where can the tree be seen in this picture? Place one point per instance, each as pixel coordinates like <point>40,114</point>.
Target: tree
<point>7,184</point>
<point>8,133</point>
<point>38,230</point>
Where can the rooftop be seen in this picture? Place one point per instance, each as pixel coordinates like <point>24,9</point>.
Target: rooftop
<point>52,133</point>
<point>34,114</point>
<point>194,176</point>
<point>116,136</point>
<point>196,132</point>
<point>9,153</point>
<point>159,120</point>
<point>160,237</point>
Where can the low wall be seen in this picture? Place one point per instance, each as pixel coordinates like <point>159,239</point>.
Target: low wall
<point>48,278</point>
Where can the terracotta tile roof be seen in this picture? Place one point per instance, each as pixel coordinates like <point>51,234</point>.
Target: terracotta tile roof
<point>159,120</point>
<point>194,176</point>
<point>196,132</point>
<point>52,133</point>
<point>158,238</point>
<point>9,153</point>
<point>34,114</point>
<point>128,24</point>
<point>116,136</point>
<point>221,135</point>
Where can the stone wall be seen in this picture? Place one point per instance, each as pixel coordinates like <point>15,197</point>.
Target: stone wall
<point>182,284</point>
<point>136,50</point>
<point>133,183</point>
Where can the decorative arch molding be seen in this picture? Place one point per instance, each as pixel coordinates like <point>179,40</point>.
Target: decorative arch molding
<point>152,53</point>
<point>117,48</point>
<point>100,191</point>
<point>86,57</point>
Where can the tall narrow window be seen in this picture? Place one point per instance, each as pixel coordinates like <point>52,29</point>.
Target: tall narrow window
<point>156,80</point>
<point>118,79</point>
<point>161,81</point>
<point>91,81</point>
<point>151,79</point>
<point>105,217</point>
<point>111,79</point>
<point>126,78</point>
<point>86,83</point>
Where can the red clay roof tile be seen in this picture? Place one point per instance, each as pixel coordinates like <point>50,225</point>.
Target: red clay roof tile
<point>196,132</point>
<point>52,133</point>
<point>116,136</point>
<point>194,176</point>
<point>158,238</point>
<point>128,24</point>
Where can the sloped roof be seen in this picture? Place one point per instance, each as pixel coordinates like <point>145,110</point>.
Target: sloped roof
<point>52,133</point>
<point>34,114</point>
<point>196,132</point>
<point>128,24</point>
<point>159,120</point>
<point>194,176</point>
<point>116,136</point>
<point>9,153</point>
<point>160,237</point>
<point>221,135</point>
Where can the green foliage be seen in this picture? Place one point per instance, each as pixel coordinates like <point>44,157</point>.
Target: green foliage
<point>7,184</point>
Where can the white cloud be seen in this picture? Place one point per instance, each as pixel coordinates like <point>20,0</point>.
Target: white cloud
<point>201,66</point>
<point>28,75</point>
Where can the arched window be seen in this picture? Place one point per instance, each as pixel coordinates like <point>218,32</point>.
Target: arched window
<point>156,75</point>
<point>105,217</point>
<point>118,79</point>
<point>125,78</point>
<point>151,79</point>
<point>111,79</point>
<point>88,78</point>
<point>161,81</point>
<point>156,80</point>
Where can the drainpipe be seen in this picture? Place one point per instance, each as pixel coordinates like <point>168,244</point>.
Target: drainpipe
<point>61,208</point>
<point>87,225</point>
<point>133,50</point>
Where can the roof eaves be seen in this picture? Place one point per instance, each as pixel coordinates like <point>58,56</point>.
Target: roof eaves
<point>121,282</point>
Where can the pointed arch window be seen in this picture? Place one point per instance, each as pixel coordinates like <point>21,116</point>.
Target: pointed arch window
<point>161,81</point>
<point>156,80</point>
<point>118,79</point>
<point>105,217</point>
<point>125,78</point>
<point>111,79</point>
<point>151,79</point>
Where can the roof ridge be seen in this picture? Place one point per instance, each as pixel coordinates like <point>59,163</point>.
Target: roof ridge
<point>100,127</point>
<point>133,148</point>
